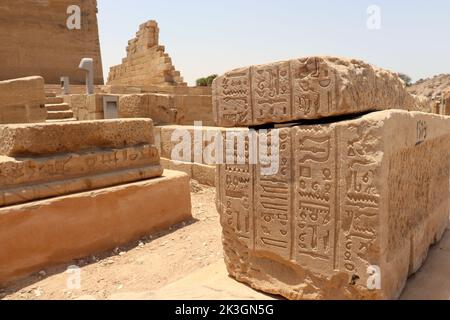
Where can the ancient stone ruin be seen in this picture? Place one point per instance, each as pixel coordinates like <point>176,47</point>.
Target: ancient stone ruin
<point>146,62</point>
<point>22,100</point>
<point>351,199</point>
<point>75,188</point>
<point>37,40</point>
<point>310,88</point>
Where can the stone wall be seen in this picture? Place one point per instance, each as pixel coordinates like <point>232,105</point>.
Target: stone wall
<point>36,41</point>
<point>22,100</point>
<point>167,108</point>
<point>146,63</point>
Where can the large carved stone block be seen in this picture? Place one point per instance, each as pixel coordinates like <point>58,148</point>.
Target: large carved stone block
<point>307,88</point>
<point>350,211</point>
<point>53,159</point>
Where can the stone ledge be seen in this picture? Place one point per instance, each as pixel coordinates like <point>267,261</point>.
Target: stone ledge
<point>57,230</point>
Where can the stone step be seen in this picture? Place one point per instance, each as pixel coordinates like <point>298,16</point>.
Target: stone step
<point>58,107</point>
<point>58,115</point>
<point>54,100</point>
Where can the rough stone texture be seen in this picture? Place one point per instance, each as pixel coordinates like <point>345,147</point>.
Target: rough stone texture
<point>22,100</point>
<point>51,138</point>
<point>167,108</point>
<point>36,235</point>
<point>307,88</point>
<point>146,63</point>
<point>36,41</point>
<point>48,160</point>
<point>347,195</point>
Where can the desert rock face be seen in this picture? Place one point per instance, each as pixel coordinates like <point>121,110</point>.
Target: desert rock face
<point>349,199</point>
<point>22,100</point>
<point>36,41</point>
<point>146,63</point>
<point>307,88</point>
<point>431,88</point>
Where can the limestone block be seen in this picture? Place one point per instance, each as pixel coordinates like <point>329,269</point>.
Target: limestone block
<point>185,167</point>
<point>53,231</point>
<point>191,108</point>
<point>162,109</point>
<point>204,174</point>
<point>50,138</point>
<point>350,202</point>
<point>22,100</point>
<point>133,106</point>
<point>307,88</point>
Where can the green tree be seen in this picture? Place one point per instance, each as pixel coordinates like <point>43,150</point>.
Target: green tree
<point>206,82</point>
<point>407,79</point>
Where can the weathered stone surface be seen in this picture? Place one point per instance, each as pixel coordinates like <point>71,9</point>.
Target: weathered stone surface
<point>307,88</point>
<point>36,235</point>
<point>146,63</point>
<point>167,108</point>
<point>22,100</point>
<point>373,191</point>
<point>50,138</point>
<point>36,40</point>
<point>49,160</point>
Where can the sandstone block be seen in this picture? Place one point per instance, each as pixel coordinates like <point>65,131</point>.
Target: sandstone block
<point>50,138</point>
<point>22,100</point>
<point>53,231</point>
<point>349,213</point>
<point>307,88</point>
<point>49,160</point>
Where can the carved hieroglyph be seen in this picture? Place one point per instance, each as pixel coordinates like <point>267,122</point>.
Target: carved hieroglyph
<point>52,159</point>
<point>307,88</point>
<point>350,213</point>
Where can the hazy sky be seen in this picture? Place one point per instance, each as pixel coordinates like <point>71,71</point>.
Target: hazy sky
<point>210,36</point>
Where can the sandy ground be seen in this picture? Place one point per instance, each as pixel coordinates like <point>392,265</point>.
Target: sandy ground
<point>186,262</point>
<point>148,264</point>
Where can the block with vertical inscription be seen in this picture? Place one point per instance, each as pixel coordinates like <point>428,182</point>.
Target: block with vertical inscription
<point>307,88</point>
<point>39,161</point>
<point>349,212</point>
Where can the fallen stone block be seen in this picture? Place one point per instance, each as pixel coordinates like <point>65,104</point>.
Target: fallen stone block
<point>350,211</point>
<point>307,88</point>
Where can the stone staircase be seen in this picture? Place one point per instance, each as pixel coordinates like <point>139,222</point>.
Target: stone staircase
<point>57,110</point>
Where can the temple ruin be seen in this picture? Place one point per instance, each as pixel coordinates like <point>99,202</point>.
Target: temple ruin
<point>346,196</point>
<point>37,41</point>
<point>146,62</point>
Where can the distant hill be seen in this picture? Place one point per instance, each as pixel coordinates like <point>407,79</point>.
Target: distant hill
<point>432,87</point>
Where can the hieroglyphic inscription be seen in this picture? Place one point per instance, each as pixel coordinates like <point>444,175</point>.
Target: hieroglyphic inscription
<point>234,98</point>
<point>236,191</point>
<point>313,88</point>
<point>271,92</point>
<point>315,176</point>
<point>360,197</point>
<point>15,172</point>
<point>273,200</point>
